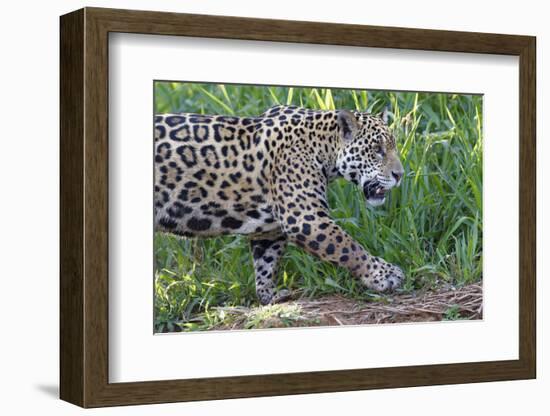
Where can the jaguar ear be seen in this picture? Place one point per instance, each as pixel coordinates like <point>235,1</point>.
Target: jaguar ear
<point>384,115</point>
<point>348,124</point>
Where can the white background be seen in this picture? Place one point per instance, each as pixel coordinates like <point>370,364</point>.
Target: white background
<point>135,355</point>
<point>29,212</point>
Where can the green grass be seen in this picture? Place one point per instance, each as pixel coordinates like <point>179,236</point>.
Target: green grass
<point>431,225</point>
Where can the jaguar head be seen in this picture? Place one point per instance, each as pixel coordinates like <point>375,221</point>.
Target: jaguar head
<point>369,157</point>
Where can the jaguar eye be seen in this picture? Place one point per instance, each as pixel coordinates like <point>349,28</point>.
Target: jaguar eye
<point>379,151</point>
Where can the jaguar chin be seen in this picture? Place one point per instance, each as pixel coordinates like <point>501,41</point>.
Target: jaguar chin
<point>375,193</point>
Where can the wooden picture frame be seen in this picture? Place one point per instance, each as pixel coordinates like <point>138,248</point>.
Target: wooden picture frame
<point>84,207</point>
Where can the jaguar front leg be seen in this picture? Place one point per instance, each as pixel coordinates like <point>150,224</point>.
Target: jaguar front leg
<point>328,241</point>
<point>266,253</point>
<point>314,231</point>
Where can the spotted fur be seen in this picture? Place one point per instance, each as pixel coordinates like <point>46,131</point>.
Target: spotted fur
<point>267,177</point>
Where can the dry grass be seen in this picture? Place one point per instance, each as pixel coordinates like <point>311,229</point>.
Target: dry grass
<point>444,304</point>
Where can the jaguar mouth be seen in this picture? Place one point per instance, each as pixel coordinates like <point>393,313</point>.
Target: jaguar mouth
<point>375,193</point>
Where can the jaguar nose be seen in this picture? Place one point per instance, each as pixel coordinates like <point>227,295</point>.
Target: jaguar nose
<point>397,175</point>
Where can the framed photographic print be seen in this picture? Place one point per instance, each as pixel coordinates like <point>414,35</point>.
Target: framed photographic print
<point>255,207</point>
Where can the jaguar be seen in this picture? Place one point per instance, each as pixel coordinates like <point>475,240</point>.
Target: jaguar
<point>267,176</point>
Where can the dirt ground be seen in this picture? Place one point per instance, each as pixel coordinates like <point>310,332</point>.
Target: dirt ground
<point>444,304</point>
